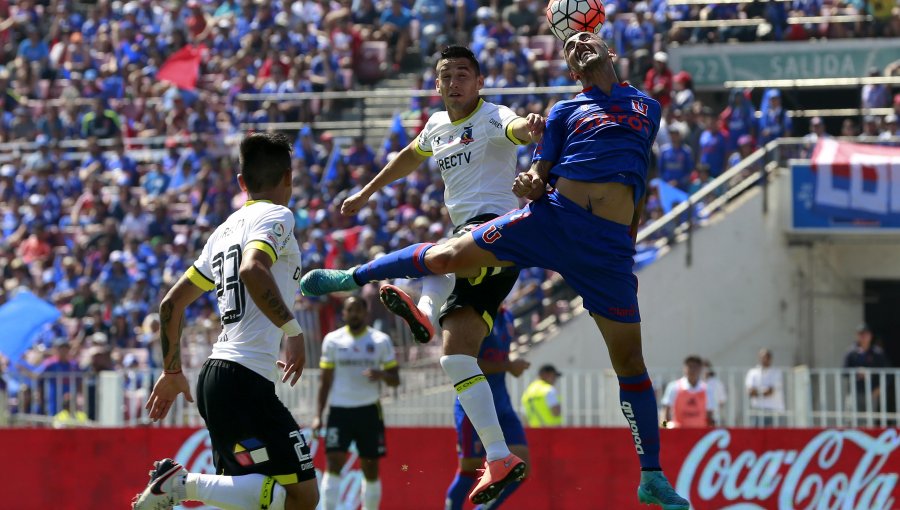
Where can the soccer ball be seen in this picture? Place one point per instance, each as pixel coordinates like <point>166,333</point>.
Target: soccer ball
<point>567,17</point>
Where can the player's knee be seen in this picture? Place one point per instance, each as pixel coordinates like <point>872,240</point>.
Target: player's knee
<point>443,258</point>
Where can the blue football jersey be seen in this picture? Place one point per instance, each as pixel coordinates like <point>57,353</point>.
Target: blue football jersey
<point>595,137</point>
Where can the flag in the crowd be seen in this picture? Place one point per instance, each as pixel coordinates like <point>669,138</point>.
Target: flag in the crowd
<point>23,316</point>
<point>669,196</point>
<point>182,68</point>
<point>398,129</point>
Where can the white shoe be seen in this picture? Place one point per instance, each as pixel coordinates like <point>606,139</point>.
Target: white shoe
<point>166,487</point>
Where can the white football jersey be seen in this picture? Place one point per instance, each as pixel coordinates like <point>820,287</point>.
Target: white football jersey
<point>349,356</point>
<point>477,159</point>
<point>248,337</point>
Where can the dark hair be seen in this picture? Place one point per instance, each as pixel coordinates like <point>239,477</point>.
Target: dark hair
<point>693,359</point>
<point>351,300</point>
<point>456,51</point>
<point>265,157</point>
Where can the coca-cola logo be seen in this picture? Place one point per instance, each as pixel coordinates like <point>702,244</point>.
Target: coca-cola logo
<point>196,455</point>
<point>836,469</point>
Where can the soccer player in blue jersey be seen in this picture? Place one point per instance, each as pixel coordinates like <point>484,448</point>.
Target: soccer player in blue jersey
<point>595,152</point>
<point>493,358</point>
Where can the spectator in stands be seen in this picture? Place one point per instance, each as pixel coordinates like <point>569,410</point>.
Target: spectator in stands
<point>875,95</point>
<point>713,143</point>
<point>774,121</point>
<point>737,118</point>
<point>395,23</point>
<point>101,122</point>
<point>518,16</point>
<point>816,132</point>
<point>658,80</point>
<point>682,91</point>
<point>687,401</point>
<point>865,354</point>
<point>676,161</point>
<point>890,130</point>
<point>58,376</point>
<point>848,128</point>
<point>870,128</point>
<point>744,149</point>
<point>765,387</point>
<point>716,390</point>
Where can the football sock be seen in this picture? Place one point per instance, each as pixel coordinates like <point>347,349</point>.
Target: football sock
<point>458,492</point>
<point>638,404</point>
<point>235,492</point>
<point>331,490</point>
<point>371,494</point>
<point>504,495</point>
<point>406,263</point>
<point>435,291</point>
<point>477,401</point>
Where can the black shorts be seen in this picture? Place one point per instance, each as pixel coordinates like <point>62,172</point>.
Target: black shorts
<point>486,292</point>
<point>364,424</point>
<point>251,430</point>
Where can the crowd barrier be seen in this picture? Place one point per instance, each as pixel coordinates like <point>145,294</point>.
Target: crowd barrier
<point>584,469</point>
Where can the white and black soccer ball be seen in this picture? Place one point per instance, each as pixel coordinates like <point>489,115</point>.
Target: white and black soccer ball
<point>568,17</point>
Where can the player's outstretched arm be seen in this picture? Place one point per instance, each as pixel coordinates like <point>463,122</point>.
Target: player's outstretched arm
<point>528,129</point>
<point>404,164</point>
<point>256,274</point>
<point>171,321</point>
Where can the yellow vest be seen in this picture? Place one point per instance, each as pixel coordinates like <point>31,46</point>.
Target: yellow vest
<point>534,401</point>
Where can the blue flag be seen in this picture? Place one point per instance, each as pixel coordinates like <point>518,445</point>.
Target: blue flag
<point>23,317</point>
<point>669,196</point>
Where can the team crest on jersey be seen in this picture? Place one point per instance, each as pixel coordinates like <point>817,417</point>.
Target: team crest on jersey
<point>639,107</point>
<point>466,137</point>
<point>278,229</point>
<point>370,348</point>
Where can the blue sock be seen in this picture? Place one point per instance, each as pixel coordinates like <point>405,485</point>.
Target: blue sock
<point>406,263</point>
<point>458,492</point>
<point>504,495</point>
<point>638,404</point>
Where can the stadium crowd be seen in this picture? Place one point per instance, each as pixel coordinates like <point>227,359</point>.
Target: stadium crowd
<point>112,177</point>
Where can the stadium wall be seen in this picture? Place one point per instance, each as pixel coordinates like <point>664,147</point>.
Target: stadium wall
<point>718,469</point>
<point>750,285</point>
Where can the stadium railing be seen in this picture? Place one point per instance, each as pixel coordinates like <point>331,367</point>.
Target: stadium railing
<point>812,397</point>
<point>793,20</point>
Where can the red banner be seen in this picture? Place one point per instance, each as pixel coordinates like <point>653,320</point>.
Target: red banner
<point>746,469</point>
<point>182,68</point>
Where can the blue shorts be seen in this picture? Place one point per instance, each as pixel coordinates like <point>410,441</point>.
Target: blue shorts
<point>594,255</point>
<point>468,445</point>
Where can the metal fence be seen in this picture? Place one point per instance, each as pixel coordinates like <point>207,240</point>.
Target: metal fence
<point>818,397</point>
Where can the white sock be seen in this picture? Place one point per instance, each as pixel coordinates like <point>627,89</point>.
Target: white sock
<point>477,401</point>
<point>435,291</point>
<point>371,494</point>
<point>331,491</point>
<point>235,492</point>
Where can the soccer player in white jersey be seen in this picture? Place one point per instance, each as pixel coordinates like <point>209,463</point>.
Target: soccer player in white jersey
<point>475,145</point>
<point>252,261</point>
<point>355,359</point>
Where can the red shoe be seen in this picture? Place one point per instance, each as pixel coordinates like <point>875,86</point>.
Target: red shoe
<point>495,476</point>
<point>401,304</point>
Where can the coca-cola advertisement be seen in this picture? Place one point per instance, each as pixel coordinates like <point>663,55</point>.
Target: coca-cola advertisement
<point>717,469</point>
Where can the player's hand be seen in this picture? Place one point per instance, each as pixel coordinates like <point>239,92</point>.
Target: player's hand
<point>354,203</point>
<point>529,185</point>
<point>166,389</point>
<point>517,366</point>
<point>535,126</point>
<point>295,358</point>
<point>316,427</point>
<point>373,375</point>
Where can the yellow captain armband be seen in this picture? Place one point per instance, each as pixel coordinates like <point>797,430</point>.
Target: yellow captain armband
<point>199,279</point>
<point>421,151</point>
<point>512,137</point>
<point>263,247</point>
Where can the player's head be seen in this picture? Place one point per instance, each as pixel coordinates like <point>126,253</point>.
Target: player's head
<point>265,162</point>
<point>549,373</point>
<point>765,357</point>
<point>354,313</point>
<point>458,77</point>
<point>586,52</point>
<point>693,367</point>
